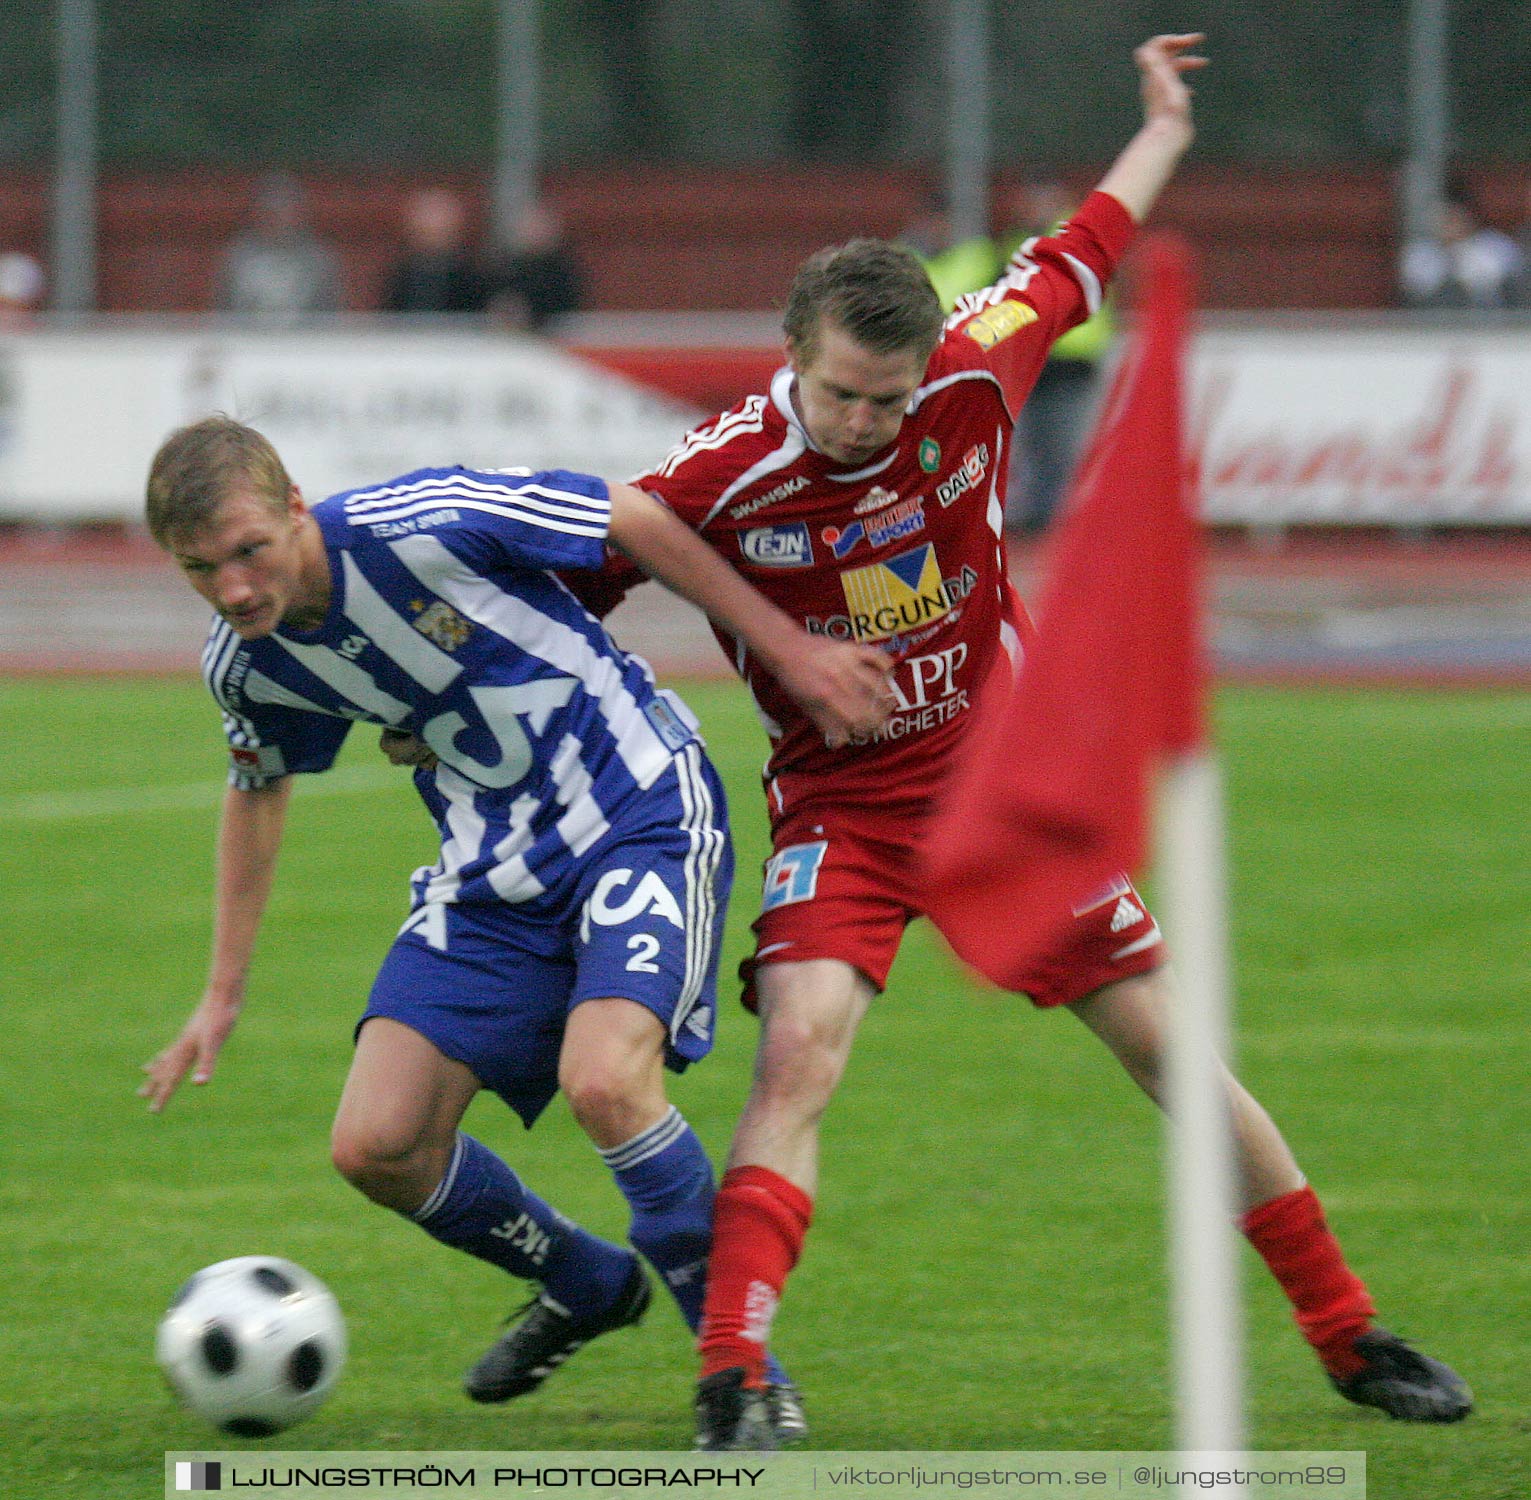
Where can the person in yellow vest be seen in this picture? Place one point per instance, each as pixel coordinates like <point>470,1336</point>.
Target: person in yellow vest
<point>1056,418</point>
<point>954,266</point>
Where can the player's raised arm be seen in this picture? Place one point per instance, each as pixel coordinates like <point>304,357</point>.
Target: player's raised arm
<point>1146,163</point>
<point>842,687</point>
<point>249,839</point>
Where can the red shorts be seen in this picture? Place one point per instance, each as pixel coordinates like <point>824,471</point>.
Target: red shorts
<point>838,886</point>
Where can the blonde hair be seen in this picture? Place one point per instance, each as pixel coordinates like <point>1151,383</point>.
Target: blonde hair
<point>196,468</point>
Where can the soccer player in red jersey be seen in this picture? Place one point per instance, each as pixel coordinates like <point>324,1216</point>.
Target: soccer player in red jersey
<point>864,494</point>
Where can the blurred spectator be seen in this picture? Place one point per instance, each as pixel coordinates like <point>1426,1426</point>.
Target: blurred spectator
<point>437,273</point>
<point>1464,263</point>
<point>21,290</point>
<point>1056,418</point>
<point>954,266</point>
<point>539,277</point>
<point>277,268</point>
<point>1520,290</point>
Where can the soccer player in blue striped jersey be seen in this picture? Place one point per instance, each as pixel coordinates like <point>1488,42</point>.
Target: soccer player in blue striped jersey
<point>566,936</point>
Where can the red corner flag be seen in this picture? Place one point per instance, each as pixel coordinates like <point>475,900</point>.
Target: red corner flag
<point>1049,800</point>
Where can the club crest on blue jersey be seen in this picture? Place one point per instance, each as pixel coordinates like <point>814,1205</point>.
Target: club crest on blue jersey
<point>441,624</point>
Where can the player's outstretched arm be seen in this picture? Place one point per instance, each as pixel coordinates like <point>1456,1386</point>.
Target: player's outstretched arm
<point>841,686</point>
<point>1138,175</point>
<point>249,839</point>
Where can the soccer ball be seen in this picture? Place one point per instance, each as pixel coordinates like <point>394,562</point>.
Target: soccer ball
<point>252,1344</point>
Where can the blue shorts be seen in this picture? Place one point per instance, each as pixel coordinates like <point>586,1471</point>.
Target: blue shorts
<point>491,984</point>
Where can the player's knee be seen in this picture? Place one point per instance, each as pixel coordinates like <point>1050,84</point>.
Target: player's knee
<point>606,1098</point>
<point>377,1160</point>
<point>800,1065</point>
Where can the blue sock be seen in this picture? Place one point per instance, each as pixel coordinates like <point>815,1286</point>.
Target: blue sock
<point>665,1176</point>
<point>482,1207</point>
<point>667,1180</point>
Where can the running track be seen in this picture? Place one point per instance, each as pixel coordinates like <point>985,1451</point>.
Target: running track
<point>1435,610</point>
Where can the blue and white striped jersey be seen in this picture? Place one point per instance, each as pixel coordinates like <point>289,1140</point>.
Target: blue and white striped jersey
<point>445,622</point>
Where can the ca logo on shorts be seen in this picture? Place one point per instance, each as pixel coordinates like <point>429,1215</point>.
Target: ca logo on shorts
<point>650,895</point>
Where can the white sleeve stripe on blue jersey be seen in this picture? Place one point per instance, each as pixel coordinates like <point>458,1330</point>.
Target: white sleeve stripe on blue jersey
<point>551,502</point>
<point>462,479</point>
<point>569,524</point>
<point>560,646</point>
<point>448,488</point>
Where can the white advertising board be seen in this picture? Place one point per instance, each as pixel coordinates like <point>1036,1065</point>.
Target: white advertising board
<point>1363,425</point>
<point>1291,423</point>
<point>82,413</point>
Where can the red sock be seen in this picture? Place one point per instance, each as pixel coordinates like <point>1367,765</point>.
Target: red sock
<point>758,1223</point>
<point>1331,1301</point>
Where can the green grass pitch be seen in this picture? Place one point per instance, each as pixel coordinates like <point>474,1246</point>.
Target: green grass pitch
<point>986,1268</point>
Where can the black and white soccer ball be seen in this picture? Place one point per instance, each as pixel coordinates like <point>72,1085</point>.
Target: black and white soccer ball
<point>253,1344</point>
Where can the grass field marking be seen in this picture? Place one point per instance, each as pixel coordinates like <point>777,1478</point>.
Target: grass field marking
<point>113,802</point>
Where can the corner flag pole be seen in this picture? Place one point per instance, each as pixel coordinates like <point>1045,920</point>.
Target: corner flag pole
<point>1205,1303</point>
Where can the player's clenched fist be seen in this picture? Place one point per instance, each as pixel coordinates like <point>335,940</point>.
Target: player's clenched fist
<point>843,687</point>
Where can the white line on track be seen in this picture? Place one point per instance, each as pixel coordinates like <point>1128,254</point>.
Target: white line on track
<point>131,801</point>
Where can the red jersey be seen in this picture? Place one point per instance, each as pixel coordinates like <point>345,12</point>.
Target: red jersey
<point>907,552</point>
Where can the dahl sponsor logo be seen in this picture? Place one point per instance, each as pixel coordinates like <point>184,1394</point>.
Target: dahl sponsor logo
<point>999,322</point>
<point>929,455</point>
<point>778,546</point>
<point>783,491</point>
<point>975,464</point>
<point>441,624</point>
